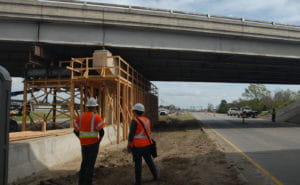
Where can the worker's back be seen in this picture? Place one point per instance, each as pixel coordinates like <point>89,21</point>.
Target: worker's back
<point>88,124</point>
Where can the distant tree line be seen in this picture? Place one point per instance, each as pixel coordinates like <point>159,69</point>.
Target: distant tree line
<point>259,98</point>
<point>169,107</point>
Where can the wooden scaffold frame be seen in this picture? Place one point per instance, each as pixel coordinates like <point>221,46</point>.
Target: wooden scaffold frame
<point>115,84</point>
<point>118,87</point>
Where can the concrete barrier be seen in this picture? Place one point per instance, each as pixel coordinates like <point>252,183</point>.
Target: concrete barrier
<point>31,156</point>
<point>290,113</point>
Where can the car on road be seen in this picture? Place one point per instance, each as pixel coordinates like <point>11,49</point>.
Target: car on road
<point>247,112</point>
<point>232,111</point>
<point>163,112</point>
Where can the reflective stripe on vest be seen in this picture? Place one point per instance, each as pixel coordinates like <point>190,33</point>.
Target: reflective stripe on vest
<point>83,134</point>
<point>140,138</point>
<point>76,126</point>
<point>147,126</point>
<point>99,125</point>
<point>91,133</point>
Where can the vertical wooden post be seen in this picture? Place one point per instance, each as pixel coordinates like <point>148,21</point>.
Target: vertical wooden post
<point>24,112</point>
<point>44,125</point>
<point>106,105</point>
<point>123,104</point>
<point>127,109</point>
<point>71,104</point>
<point>99,100</point>
<point>81,99</point>
<point>54,107</point>
<point>118,99</point>
<point>92,91</point>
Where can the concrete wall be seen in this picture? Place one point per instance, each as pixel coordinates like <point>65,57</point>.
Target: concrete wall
<point>290,113</point>
<point>34,155</point>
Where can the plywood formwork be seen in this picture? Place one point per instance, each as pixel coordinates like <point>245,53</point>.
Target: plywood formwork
<point>110,79</point>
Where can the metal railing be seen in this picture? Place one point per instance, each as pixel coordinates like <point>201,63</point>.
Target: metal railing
<point>140,8</point>
<point>84,68</point>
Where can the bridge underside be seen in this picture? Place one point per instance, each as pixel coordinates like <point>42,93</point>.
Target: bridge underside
<point>168,65</point>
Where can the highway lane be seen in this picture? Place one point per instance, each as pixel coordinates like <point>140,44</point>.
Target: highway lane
<point>273,146</point>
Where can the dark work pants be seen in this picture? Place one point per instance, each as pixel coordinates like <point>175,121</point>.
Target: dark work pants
<point>273,117</point>
<point>89,154</point>
<point>138,153</point>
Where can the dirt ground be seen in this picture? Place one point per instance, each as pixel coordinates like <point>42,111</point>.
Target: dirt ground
<point>186,156</point>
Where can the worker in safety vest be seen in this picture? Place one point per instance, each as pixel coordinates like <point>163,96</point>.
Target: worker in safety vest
<point>273,114</point>
<point>89,129</point>
<point>139,143</point>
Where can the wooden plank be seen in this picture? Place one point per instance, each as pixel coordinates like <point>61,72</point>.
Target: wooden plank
<point>118,112</point>
<point>24,112</point>
<point>73,69</point>
<point>71,106</point>
<point>77,60</point>
<point>14,136</point>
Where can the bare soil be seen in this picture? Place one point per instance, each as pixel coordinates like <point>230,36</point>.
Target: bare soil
<point>186,156</point>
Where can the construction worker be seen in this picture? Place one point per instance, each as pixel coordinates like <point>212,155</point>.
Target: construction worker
<point>139,142</point>
<point>273,115</point>
<point>89,129</point>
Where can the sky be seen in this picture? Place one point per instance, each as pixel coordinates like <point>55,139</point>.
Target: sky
<point>200,94</point>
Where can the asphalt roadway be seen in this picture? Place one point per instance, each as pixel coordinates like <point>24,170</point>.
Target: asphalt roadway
<point>271,148</point>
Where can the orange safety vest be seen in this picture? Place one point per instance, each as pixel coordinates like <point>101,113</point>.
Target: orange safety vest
<point>88,125</point>
<point>140,138</point>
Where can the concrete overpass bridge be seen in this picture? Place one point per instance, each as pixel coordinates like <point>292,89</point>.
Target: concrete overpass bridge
<point>164,45</point>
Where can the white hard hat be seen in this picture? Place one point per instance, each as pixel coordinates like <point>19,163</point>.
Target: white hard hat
<point>139,107</point>
<point>92,102</point>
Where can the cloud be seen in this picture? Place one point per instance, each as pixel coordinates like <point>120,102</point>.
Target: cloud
<point>285,11</point>
<point>17,84</point>
<point>197,94</point>
<point>164,4</point>
<point>200,94</point>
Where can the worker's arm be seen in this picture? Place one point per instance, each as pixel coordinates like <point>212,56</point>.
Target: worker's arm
<point>76,126</point>
<point>101,134</point>
<point>76,133</point>
<point>100,124</point>
<point>132,130</point>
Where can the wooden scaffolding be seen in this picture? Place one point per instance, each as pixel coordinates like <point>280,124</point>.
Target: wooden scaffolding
<point>110,79</point>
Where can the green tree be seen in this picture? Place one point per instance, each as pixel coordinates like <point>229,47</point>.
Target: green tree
<point>172,107</point>
<point>256,92</point>
<point>223,107</point>
<point>210,107</point>
<point>284,97</point>
<point>298,95</point>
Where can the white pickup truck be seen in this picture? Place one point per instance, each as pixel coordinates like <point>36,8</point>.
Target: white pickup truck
<point>233,111</point>
<point>247,112</point>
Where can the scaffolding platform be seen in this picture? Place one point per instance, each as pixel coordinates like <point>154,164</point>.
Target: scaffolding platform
<point>110,79</point>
